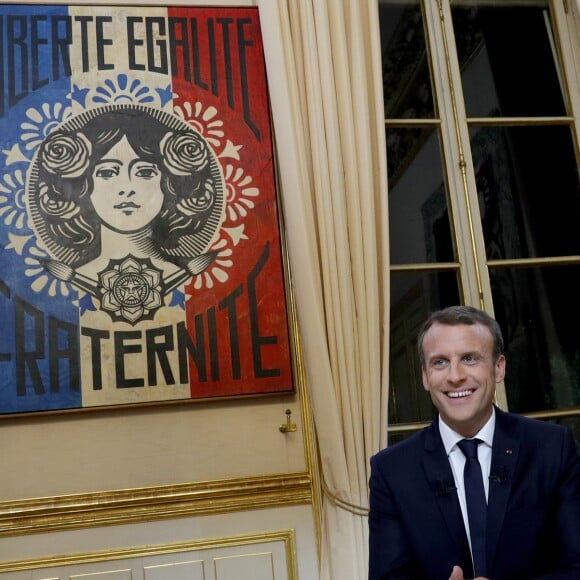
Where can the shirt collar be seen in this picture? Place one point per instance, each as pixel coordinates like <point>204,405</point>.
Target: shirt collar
<point>451,437</point>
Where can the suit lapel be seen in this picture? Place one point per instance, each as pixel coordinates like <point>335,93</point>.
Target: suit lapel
<point>505,452</point>
<point>440,477</point>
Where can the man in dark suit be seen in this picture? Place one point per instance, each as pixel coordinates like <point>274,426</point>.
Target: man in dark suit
<point>421,507</point>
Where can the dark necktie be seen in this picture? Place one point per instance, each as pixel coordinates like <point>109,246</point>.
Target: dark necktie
<point>476,504</point>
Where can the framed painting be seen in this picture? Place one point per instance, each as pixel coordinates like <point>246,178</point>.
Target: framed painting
<point>141,257</point>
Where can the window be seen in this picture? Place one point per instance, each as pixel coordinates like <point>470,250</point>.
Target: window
<point>482,103</point>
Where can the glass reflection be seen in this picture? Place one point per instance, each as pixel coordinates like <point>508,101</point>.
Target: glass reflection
<point>406,78</point>
<point>413,296</point>
<point>419,226</point>
<point>508,63</point>
<point>538,311</point>
<point>528,189</point>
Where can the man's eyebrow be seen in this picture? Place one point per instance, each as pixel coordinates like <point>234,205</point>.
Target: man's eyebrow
<point>437,357</point>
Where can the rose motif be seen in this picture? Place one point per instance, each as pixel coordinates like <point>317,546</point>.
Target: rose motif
<point>55,206</point>
<point>184,153</point>
<point>194,205</point>
<point>66,155</point>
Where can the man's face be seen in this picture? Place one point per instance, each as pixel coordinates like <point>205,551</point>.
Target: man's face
<point>460,374</point>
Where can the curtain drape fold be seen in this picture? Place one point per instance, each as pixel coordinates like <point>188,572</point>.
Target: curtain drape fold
<point>336,220</point>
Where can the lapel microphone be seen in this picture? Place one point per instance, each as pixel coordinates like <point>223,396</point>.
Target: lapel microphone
<point>499,477</point>
<point>445,488</point>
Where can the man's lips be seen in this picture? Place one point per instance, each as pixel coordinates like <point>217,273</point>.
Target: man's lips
<point>127,205</point>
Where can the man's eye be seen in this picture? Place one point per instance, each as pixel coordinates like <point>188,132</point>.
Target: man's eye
<point>470,359</point>
<point>439,362</point>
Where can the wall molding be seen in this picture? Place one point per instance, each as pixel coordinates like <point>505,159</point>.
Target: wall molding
<point>42,515</point>
<point>285,536</point>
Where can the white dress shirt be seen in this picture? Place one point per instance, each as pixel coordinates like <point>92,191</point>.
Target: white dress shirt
<point>457,460</point>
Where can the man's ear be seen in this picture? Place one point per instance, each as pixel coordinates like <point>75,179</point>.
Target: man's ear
<point>500,368</point>
<point>424,378</point>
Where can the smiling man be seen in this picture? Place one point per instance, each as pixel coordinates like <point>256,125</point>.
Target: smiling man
<point>509,508</point>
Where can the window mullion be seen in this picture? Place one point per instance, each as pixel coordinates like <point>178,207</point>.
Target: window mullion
<point>457,155</point>
<point>567,26</point>
<point>464,207</point>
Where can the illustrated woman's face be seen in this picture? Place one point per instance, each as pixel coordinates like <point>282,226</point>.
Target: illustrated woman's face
<point>127,192</point>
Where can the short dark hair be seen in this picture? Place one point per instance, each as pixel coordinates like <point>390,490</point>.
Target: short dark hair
<point>454,315</point>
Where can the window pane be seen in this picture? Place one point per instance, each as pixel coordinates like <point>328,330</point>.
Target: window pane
<point>538,311</point>
<point>419,227</point>
<point>528,189</point>
<point>406,79</point>
<point>413,296</point>
<point>506,51</point>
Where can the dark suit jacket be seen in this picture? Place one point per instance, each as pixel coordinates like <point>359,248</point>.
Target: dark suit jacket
<point>533,523</point>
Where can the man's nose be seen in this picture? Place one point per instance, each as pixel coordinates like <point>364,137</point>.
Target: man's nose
<point>456,372</point>
<point>126,192</point>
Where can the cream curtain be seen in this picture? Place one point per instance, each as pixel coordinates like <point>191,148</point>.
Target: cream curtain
<point>336,219</point>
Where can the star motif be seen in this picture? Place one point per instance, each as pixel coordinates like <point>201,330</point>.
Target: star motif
<point>14,155</point>
<point>79,95</point>
<point>165,95</point>
<point>131,289</point>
